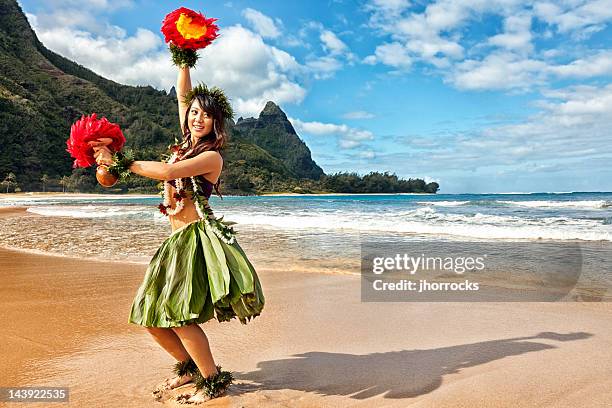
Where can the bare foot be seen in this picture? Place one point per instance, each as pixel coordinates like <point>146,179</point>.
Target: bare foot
<point>171,383</point>
<point>192,398</point>
<point>197,397</point>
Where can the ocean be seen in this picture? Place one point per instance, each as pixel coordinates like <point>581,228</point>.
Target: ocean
<point>313,233</point>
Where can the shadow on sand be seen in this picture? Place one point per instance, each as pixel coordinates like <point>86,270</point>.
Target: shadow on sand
<point>396,374</point>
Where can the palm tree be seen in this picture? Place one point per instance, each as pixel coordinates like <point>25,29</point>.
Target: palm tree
<point>9,180</point>
<point>45,180</point>
<point>64,181</point>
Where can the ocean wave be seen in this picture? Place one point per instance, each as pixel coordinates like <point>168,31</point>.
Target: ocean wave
<point>443,203</point>
<point>91,211</point>
<point>428,221</point>
<point>584,204</point>
<point>37,199</point>
<point>474,222</point>
<point>420,220</point>
<point>473,203</point>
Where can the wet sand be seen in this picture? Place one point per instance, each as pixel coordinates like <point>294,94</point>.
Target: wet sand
<point>315,344</point>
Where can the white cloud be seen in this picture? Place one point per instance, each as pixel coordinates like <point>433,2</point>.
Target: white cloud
<point>348,137</point>
<point>131,60</point>
<point>106,5</point>
<point>575,16</point>
<point>582,103</point>
<point>597,64</point>
<point>394,55</point>
<point>75,18</point>
<point>251,71</point>
<point>332,44</point>
<point>262,24</point>
<point>336,51</point>
<point>440,35</point>
<point>425,40</point>
<point>366,154</point>
<point>348,143</point>
<point>565,146</point>
<point>323,67</point>
<point>498,71</point>
<point>389,5</point>
<point>358,115</point>
<point>506,70</point>
<point>517,35</point>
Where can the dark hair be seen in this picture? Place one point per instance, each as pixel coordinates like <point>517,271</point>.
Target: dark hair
<point>214,141</point>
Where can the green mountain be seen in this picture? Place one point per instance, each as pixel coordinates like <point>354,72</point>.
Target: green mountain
<point>273,132</point>
<point>43,93</point>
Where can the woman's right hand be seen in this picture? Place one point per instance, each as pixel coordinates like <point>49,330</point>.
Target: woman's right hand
<point>104,141</point>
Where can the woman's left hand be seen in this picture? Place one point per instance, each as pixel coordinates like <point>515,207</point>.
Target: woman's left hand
<point>103,155</point>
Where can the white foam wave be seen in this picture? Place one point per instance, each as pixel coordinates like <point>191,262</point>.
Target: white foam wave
<point>72,197</point>
<point>422,220</point>
<point>89,211</point>
<point>584,204</point>
<point>443,203</point>
<point>427,221</point>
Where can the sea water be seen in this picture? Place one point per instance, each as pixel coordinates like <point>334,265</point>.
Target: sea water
<point>318,233</point>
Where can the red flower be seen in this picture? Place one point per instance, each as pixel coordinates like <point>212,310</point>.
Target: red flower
<point>162,209</point>
<point>188,29</point>
<point>179,195</point>
<point>90,128</point>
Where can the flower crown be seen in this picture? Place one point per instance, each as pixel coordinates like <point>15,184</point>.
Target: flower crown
<point>216,94</point>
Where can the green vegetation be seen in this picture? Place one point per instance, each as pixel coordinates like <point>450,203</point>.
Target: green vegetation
<point>376,182</point>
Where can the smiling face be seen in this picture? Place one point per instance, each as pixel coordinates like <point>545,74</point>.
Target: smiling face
<point>199,121</point>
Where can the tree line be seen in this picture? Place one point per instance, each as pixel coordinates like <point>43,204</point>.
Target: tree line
<point>84,181</point>
<point>375,182</point>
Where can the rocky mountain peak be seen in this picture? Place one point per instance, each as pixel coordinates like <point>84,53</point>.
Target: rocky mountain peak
<point>272,110</point>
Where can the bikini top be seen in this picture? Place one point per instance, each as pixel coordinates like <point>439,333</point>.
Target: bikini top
<point>203,184</point>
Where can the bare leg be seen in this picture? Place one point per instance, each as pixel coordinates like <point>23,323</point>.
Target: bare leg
<point>170,342</point>
<point>196,344</point>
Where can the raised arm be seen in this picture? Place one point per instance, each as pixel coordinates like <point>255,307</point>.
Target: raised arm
<point>183,85</point>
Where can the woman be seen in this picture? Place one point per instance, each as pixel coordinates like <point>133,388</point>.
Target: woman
<point>199,272</point>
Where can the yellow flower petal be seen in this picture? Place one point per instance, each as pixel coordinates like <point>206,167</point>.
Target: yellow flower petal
<point>188,29</point>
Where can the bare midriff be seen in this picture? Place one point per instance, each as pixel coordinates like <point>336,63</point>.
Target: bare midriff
<point>187,215</point>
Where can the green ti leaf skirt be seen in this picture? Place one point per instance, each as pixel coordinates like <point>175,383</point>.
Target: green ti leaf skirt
<point>193,277</point>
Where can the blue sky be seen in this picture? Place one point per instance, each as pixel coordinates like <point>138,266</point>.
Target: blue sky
<point>479,95</point>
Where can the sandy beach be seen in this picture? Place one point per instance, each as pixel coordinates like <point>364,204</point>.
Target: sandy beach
<point>315,345</point>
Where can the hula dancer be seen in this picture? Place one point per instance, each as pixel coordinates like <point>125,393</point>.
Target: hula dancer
<point>200,271</point>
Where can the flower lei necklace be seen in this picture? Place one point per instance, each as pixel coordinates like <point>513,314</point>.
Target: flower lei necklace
<point>166,208</point>
<point>222,229</point>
